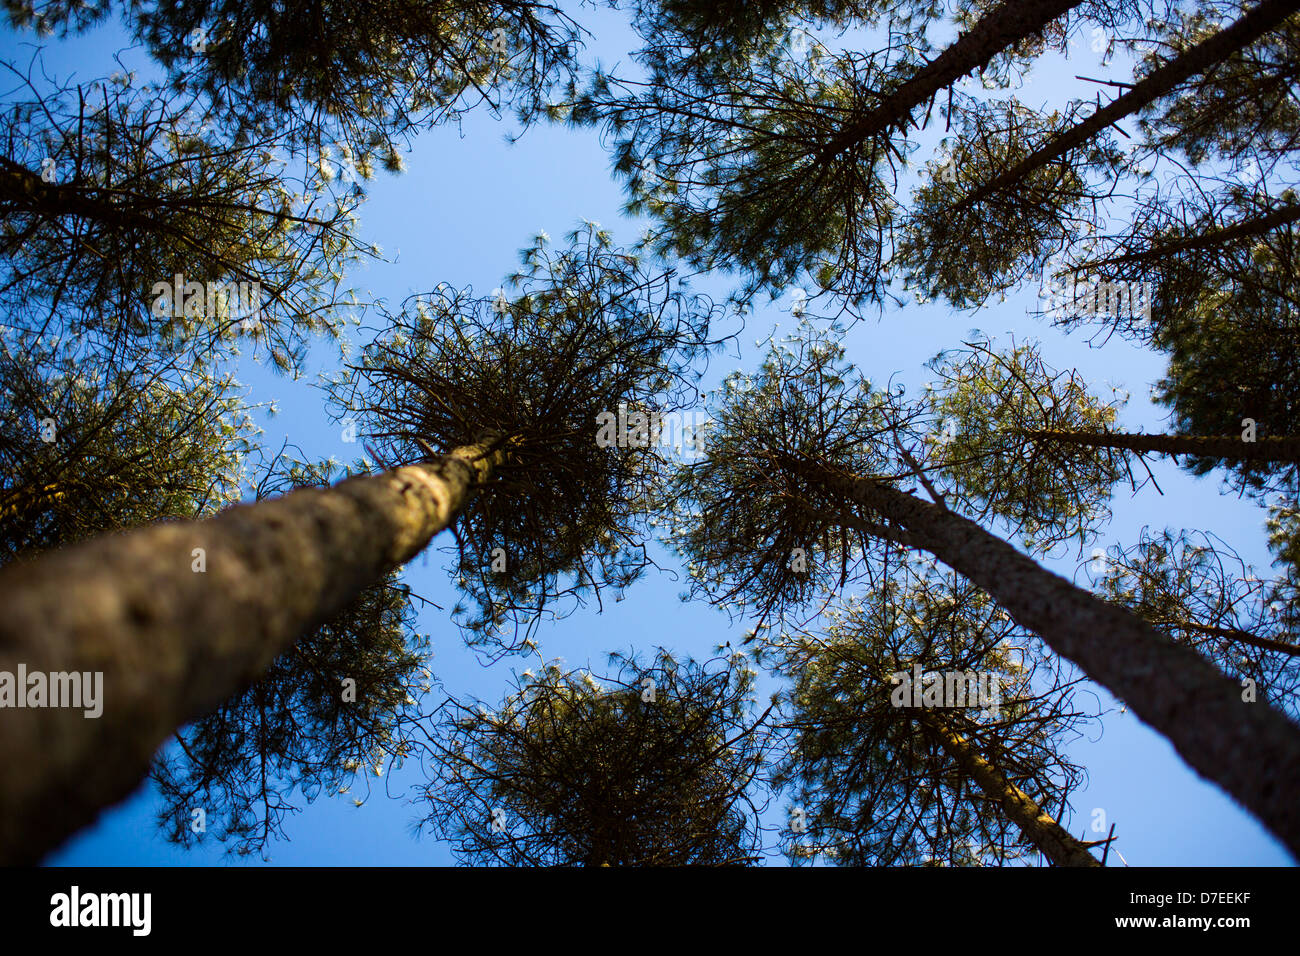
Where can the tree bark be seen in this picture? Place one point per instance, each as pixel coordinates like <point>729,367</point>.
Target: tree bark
<point>173,642</point>
<point>1249,749</point>
<point>1007,24</point>
<point>1259,21</point>
<point>1045,833</point>
<point>1285,449</point>
<point>22,190</point>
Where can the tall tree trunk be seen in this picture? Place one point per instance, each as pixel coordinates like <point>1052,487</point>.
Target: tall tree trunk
<point>1045,833</point>
<point>1162,81</point>
<point>1285,449</point>
<point>1249,749</point>
<point>173,642</point>
<point>1003,26</point>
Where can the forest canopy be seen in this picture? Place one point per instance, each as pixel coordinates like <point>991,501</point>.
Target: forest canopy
<point>926,406</point>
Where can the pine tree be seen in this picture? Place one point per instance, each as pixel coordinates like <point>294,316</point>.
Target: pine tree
<point>653,765</point>
<point>90,445</point>
<point>1201,593</point>
<point>592,332</point>
<point>1021,183</point>
<point>1244,109</point>
<point>109,193</point>
<point>1217,283</point>
<point>1164,232</point>
<point>1164,78</point>
<point>366,76</point>
<point>802,458</point>
<point>327,717</point>
<point>782,167</point>
<point>885,779</point>
<point>179,616</point>
<point>1001,408</point>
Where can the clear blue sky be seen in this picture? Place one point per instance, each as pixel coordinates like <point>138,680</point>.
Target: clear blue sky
<point>459,214</point>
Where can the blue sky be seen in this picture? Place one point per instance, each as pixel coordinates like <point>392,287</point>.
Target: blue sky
<point>466,203</point>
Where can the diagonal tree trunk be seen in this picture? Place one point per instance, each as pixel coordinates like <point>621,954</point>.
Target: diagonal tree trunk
<point>1158,252</point>
<point>1037,825</point>
<point>1003,26</point>
<point>1200,58</point>
<point>173,641</point>
<point>1285,449</point>
<point>1249,749</point>
<point>1230,634</point>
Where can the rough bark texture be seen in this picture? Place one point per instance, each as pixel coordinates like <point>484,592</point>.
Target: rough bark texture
<point>1249,749</point>
<point>172,642</point>
<point>1045,833</point>
<point>1232,447</point>
<point>1009,23</point>
<point>1162,81</point>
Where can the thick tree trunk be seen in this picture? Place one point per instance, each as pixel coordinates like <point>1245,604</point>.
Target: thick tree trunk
<point>1045,833</point>
<point>1201,446</point>
<point>1249,749</point>
<point>1003,26</point>
<point>1200,58</point>
<point>172,642</point>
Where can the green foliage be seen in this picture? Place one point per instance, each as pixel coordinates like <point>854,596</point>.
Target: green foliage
<point>590,328</point>
<point>1284,537</point>
<point>1117,19</point>
<point>1234,353</point>
<point>1245,107</point>
<point>753,533</point>
<point>1200,592</point>
<point>65,16</point>
<point>985,403</point>
<point>779,161</point>
<point>1220,271</point>
<point>739,171</point>
<point>654,765</point>
<point>759,534</point>
<point>967,252</point>
<point>712,40</point>
<point>129,444</point>
<point>145,185</point>
<point>876,786</point>
<point>367,74</point>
